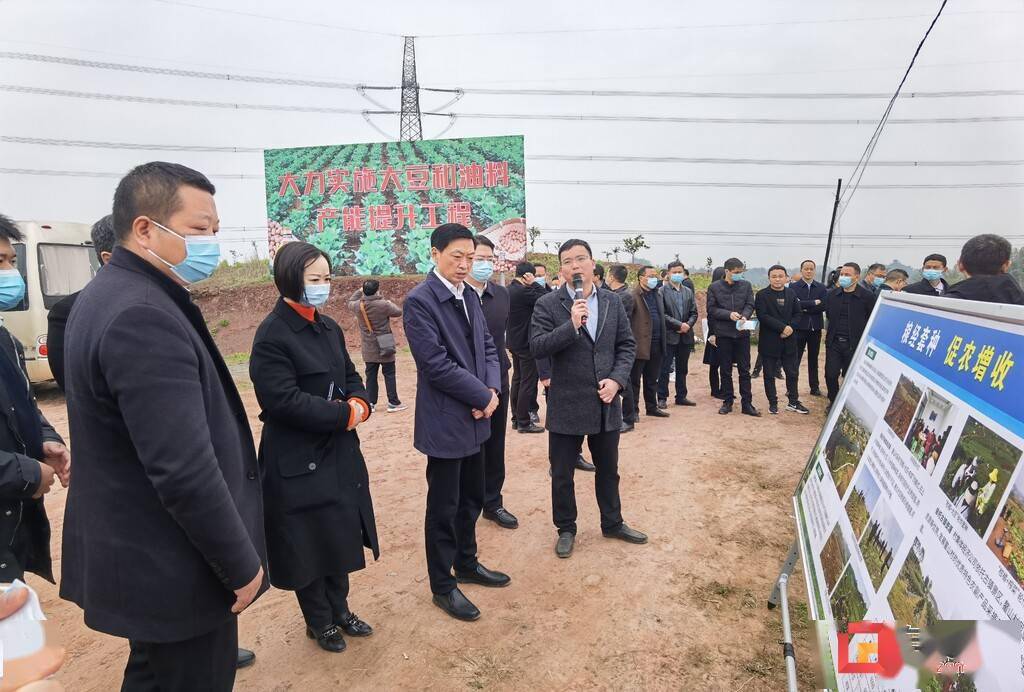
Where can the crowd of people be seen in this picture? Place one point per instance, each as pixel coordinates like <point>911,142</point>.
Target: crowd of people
<point>176,521</point>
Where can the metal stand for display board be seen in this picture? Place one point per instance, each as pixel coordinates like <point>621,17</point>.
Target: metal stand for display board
<point>779,596</point>
<point>785,573</point>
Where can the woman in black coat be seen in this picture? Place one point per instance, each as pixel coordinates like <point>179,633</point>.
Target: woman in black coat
<point>318,511</point>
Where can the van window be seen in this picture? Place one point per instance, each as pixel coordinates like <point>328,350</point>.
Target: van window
<point>22,264</point>
<point>64,269</point>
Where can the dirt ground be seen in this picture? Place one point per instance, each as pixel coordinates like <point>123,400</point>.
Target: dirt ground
<point>684,612</point>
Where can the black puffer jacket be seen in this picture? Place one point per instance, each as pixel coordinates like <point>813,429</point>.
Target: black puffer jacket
<point>1000,288</point>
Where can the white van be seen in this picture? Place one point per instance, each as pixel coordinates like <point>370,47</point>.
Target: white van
<point>56,260</point>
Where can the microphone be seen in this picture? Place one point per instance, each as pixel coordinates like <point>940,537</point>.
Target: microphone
<point>577,285</point>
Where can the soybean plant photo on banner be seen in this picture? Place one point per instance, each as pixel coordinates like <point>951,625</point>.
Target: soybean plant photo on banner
<point>849,439</point>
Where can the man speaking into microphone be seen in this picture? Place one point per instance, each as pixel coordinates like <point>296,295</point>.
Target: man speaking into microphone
<point>586,334</point>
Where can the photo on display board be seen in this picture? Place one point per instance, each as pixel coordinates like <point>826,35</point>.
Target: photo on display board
<point>929,430</point>
<point>1007,538</point>
<point>978,474</point>
<point>911,598</point>
<point>834,556</point>
<point>848,601</point>
<point>880,541</point>
<point>902,405</point>
<point>862,501</point>
<point>849,439</point>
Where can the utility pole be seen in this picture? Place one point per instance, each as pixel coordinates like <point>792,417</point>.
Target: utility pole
<point>410,128</point>
<point>831,225</point>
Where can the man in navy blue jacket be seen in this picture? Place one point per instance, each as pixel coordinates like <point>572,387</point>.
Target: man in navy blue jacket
<point>812,295</point>
<point>457,384</point>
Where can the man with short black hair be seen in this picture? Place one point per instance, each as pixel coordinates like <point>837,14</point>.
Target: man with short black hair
<point>458,382</point>
<point>617,276</point>
<point>680,317</point>
<point>590,346</point>
<point>730,304</point>
<point>874,277</point>
<point>540,276</point>
<point>599,275</point>
<point>932,282</point>
<point>649,328</point>
<point>778,312</point>
<point>103,241</point>
<point>811,295</point>
<point>895,280</point>
<point>688,282</point>
<point>848,308</point>
<point>523,292</point>
<point>985,260</point>
<point>373,313</point>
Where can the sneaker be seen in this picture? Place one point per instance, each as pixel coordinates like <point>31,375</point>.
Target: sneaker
<point>797,407</point>
<point>373,407</point>
<point>393,408</point>
<point>534,417</point>
<point>773,409</point>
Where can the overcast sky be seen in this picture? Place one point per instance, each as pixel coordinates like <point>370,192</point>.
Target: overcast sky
<point>751,47</point>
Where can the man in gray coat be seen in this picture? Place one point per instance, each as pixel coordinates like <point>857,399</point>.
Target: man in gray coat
<point>680,316</point>
<point>591,348</point>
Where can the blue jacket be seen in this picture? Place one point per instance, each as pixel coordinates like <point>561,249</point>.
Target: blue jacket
<point>810,314</point>
<point>456,369</point>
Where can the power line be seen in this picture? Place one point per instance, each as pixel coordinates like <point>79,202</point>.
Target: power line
<point>192,74</point>
<point>110,174</point>
<point>858,172</point>
<point>286,20</point>
<point>42,141</point>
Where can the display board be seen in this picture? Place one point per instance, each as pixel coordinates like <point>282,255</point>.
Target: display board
<point>911,509</point>
<point>372,207</point>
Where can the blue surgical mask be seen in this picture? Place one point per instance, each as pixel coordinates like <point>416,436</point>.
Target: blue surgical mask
<point>12,288</point>
<point>540,280</point>
<point>845,281</point>
<point>676,278</point>
<point>482,271</point>
<point>202,254</point>
<point>316,294</point>
<point>878,280</point>
<point>652,282</point>
<point>738,276</point>
<point>932,274</point>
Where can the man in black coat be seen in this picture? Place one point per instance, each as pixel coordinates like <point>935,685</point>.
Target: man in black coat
<point>932,282</point>
<point>778,312</point>
<point>163,529</point>
<point>730,304</point>
<point>848,309</point>
<point>523,293</point>
<point>495,301</point>
<point>617,276</point>
<point>57,319</point>
<point>590,346</point>
<point>31,451</point>
<point>985,259</point>
<point>811,295</point>
<point>680,317</point>
<point>649,325</point>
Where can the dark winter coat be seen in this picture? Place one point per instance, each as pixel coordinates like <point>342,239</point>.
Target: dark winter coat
<point>1000,288</point>
<point>774,317</point>
<point>380,310</point>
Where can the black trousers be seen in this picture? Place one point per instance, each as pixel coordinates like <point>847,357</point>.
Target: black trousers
<point>390,382</point>
<point>735,350</point>
<point>206,663</point>
<point>324,601</point>
<point>455,496</point>
<point>647,372</point>
<point>788,364</point>
<point>714,375</point>
<point>523,393</point>
<point>629,402</point>
<point>604,453</point>
<point>679,355</point>
<point>838,355</point>
<point>810,340</point>
<point>494,455</point>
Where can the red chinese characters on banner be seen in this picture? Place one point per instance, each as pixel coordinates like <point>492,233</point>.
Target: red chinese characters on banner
<point>381,218</point>
<point>394,217</point>
<point>417,178</point>
<point>324,213</point>
<point>352,219</point>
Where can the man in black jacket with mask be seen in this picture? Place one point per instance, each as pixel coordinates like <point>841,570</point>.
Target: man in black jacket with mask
<point>848,310</point>
<point>31,451</point>
<point>931,283</point>
<point>985,260</point>
<point>731,303</point>
<point>812,296</point>
<point>523,293</point>
<point>778,311</point>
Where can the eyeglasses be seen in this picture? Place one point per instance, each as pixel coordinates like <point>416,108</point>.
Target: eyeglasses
<point>579,259</point>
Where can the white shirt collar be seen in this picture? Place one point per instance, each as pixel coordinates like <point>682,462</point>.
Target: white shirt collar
<point>479,291</point>
<point>456,290</point>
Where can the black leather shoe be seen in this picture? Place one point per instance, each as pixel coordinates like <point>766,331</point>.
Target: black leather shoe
<point>534,417</point>
<point>503,518</point>
<point>751,411</point>
<point>726,408</point>
<point>566,541</point>
<point>662,403</point>
<point>658,413</point>
<point>531,428</point>
<point>816,392</point>
<point>457,605</point>
<point>624,533</point>
<point>515,425</point>
<point>329,640</point>
<point>686,402</point>
<point>245,658</point>
<point>353,626</point>
<point>482,576</point>
<point>755,374</point>
<point>626,427</point>
<point>584,465</point>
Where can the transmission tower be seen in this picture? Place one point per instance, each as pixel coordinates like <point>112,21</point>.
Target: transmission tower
<point>410,127</point>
